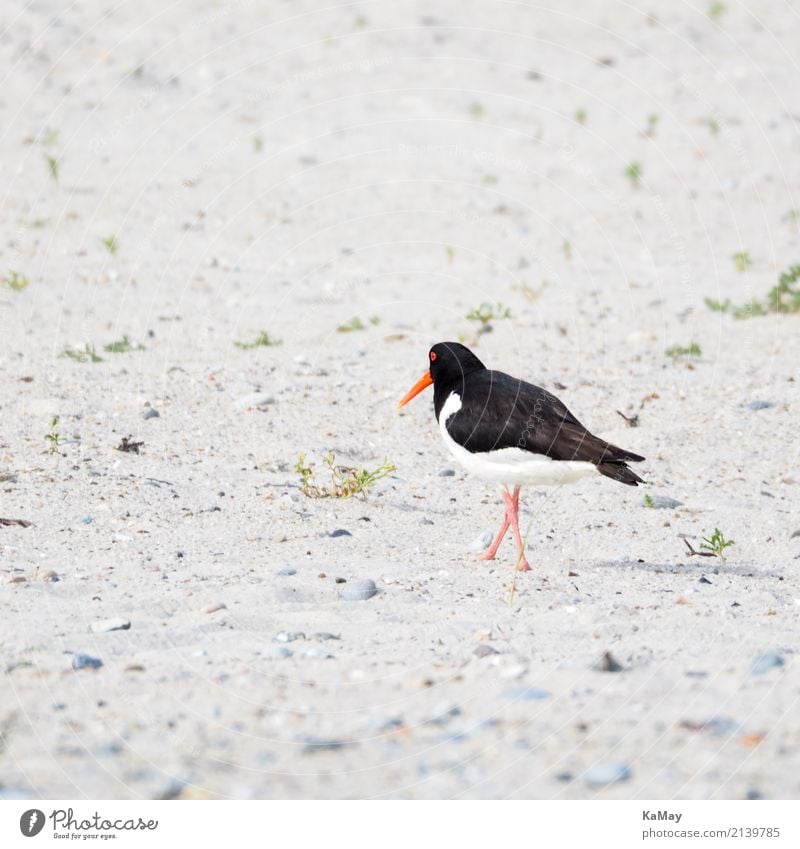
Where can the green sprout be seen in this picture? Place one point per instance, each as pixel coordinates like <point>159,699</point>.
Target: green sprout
<point>52,166</point>
<point>487,312</point>
<point>580,116</point>
<point>111,244</point>
<point>716,11</point>
<point>123,346</point>
<point>16,281</point>
<point>356,323</point>
<point>53,436</point>
<point>717,543</point>
<point>692,350</point>
<point>87,355</point>
<point>263,340</point>
<point>742,260</point>
<point>648,501</point>
<point>634,173</point>
<point>345,480</point>
<point>476,110</point>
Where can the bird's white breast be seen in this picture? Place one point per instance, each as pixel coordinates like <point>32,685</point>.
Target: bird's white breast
<point>511,466</point>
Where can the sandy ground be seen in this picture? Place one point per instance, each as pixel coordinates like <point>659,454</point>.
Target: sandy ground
<point>287,170</point>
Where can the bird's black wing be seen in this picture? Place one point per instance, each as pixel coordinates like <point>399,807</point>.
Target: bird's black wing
<point>500,411</point>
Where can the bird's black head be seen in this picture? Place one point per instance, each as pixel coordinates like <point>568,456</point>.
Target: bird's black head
<point>449,362</point>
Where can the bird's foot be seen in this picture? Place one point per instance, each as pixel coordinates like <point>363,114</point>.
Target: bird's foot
<point>524,566</point>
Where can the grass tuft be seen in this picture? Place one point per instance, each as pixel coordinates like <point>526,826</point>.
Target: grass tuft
<point>345,481</point>
<point>263,340</point>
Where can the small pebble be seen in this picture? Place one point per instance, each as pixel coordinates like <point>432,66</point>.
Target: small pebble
<point>663,502</point>
<point>152,413</point>
<point>526,694</point>
<point>110,625</point>
<point>755,406</point>
<point>318,652</point>
<point>318,744</point>
<point>214,607</point>
<point>359,590</point>
<point>87,520</point>
<point>703,580</point>
<point>608,663</point>
<point>481,542</point>
<point>288,636</point>
<point>484,650</point>
<point>447,473</point>
<point>276,652</point>
<point>340,532</point>
<point>85,661</point>
<point>601,775</point>
<point>255,400</point>
<point>765,662</point>
<point>340,580</point>
<point>324,635</point>
<point>287,572</point>
<point>17,579</point>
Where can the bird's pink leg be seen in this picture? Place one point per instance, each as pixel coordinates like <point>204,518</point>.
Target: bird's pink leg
<point>491,551</point>
<point>524,566</point>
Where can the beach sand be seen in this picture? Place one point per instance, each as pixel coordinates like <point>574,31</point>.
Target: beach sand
<point>288,170</point>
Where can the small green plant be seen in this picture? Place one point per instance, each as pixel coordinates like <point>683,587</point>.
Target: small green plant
<point>713,126</point>
<point>634,173</point>
<point>16,281</point>
<point>692,350</point>
<point>580,116</point>
<point>783,299</point>
<point>111,244</point>
<point>52,166</point>
<point>530,293</point>
<point>652,124</point>
<point>345,481</point>
<point>258,143</point>
<point>263,340</point>
<point>476,110</point>
<point>53,436</point>
<point>716,11</point>
<point>356,323</point>
<point>487,312</point>
<point>648,501</point>
<point>451,254</point>
<point>85,355</point>
<point>742,260</point>
<point>123,346</point>
<point>716,544</point>
<point>566,249</point>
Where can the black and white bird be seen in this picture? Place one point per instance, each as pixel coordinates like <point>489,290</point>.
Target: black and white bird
<point>507,431</point>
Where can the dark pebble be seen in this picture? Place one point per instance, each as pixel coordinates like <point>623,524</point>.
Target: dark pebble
<point>526,694</point>
<point>484,650</point>
<point>339,532</point>
<point>340,580</point>
<point>287,572</point>
<point>151,414</point>
<point>703,580</point>
<point>317,744</point>
<point>601,775</point>
<point>608,663</point>
<point>755,406</point>
<point>447,473</point>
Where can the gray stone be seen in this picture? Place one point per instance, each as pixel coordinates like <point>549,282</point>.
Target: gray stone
<point>359,590</point>
<point>755,406</point>
<point>85,661</point>
<point>339,532</point>
<point>664,502</point>
<point>288,636</point>
<point>763,663</point>
<point>601,775</point>
<point>287,572</point>
<point>276,652</point>
<point>484,650</point>
<point>447,473</point>
<point>152,413</point>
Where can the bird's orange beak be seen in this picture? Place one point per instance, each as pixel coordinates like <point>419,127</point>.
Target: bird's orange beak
<point>423,383</point>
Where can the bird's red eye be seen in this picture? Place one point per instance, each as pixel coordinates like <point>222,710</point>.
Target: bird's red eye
<point>433,356</point>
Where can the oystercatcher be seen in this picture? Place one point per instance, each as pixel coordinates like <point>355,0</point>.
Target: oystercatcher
<point>508,431</point>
